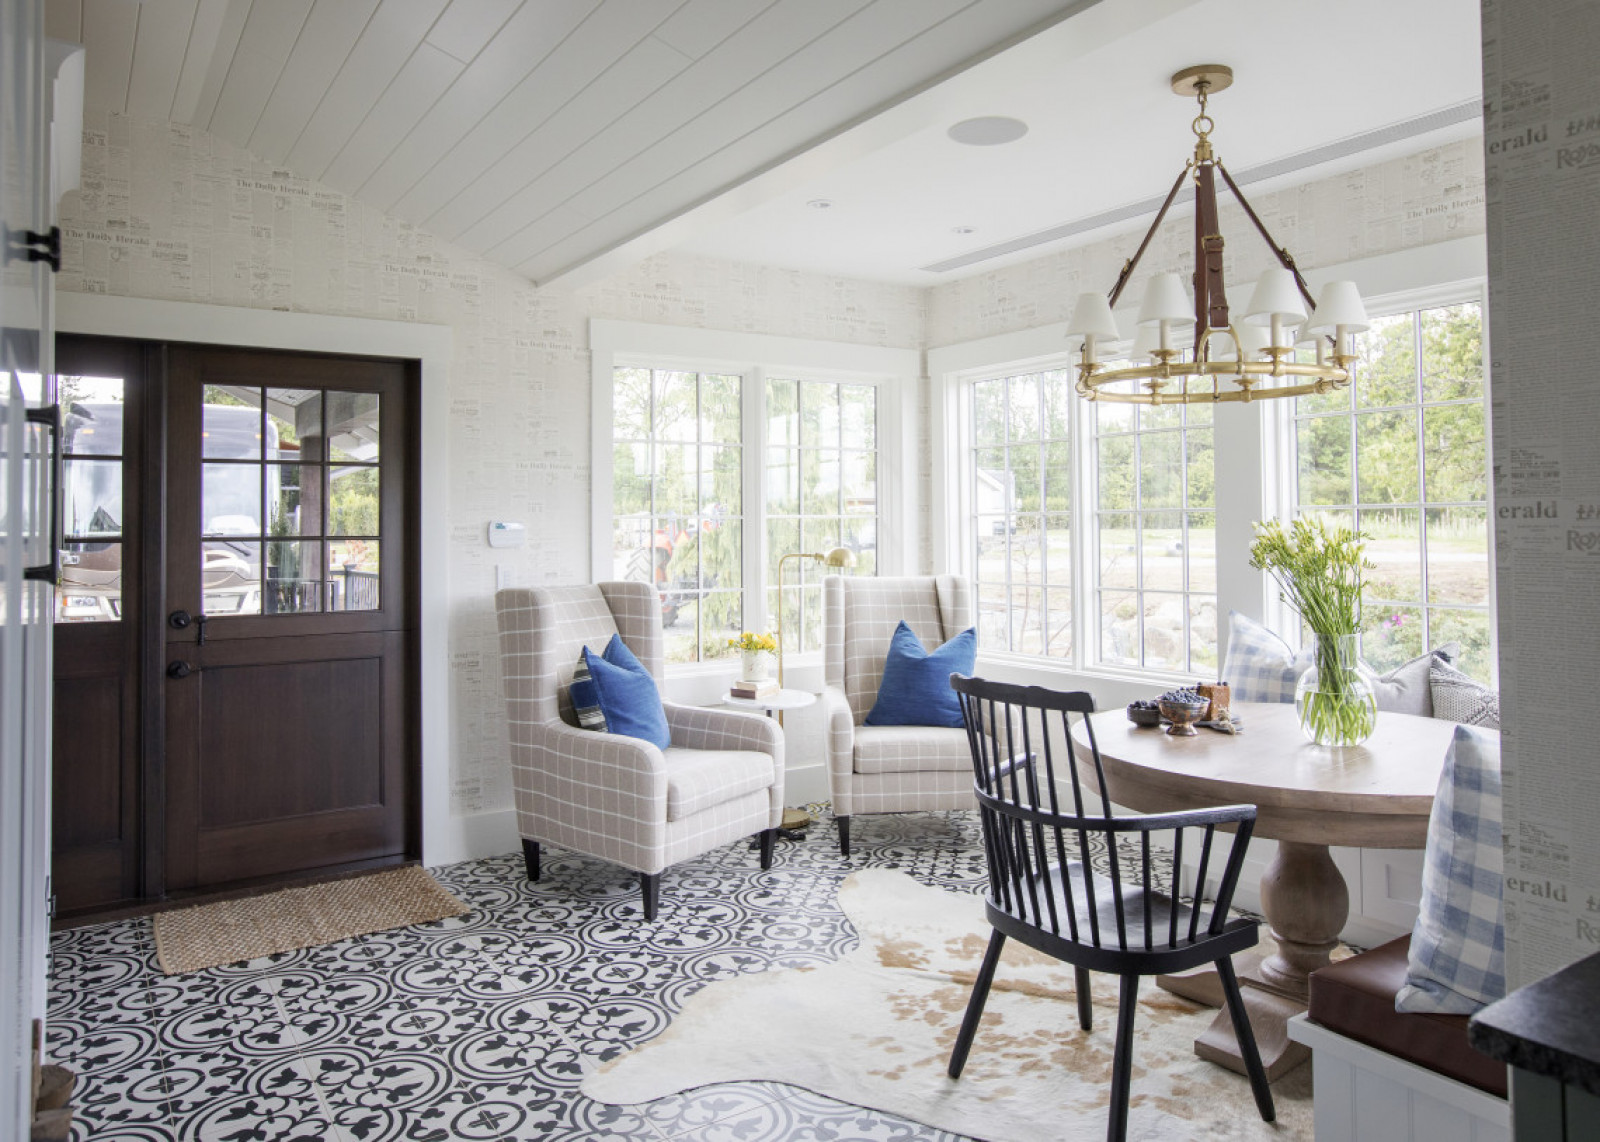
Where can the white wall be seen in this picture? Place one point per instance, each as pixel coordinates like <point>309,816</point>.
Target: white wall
<point>169,213</point>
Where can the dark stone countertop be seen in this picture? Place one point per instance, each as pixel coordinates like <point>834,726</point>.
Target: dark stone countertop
<point>1551,1027</point>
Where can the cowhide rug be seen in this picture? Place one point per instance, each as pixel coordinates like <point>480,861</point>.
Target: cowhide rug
<point>875,1029</point>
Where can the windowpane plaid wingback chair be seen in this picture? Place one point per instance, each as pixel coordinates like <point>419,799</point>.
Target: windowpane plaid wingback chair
<point>615,797</point>
<point>888,769</point>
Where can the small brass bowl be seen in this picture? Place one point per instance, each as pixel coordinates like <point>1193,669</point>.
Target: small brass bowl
<point>1183,716</point>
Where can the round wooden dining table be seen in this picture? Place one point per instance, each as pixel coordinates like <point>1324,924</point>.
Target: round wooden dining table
<point>1307,797</point>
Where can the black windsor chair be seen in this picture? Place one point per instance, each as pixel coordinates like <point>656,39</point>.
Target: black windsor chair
<point>1044,891</point>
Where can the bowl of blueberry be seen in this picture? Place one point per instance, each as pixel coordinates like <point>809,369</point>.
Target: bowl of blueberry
<point>1145,712</point>
<point>1183,708</point>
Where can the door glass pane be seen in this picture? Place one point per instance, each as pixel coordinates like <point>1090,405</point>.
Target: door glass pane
<point>230,578</point>
<point>294,578</point>
<point>353,575</point>
<point>91,416</point>
<point>292,500</point>
<point>294,424</point>
<point>230,499</point>
<point>353,501</point>
<point>93,496</point>
<point>230,424</point>
<point>352,427</point>
<point>91,583</point>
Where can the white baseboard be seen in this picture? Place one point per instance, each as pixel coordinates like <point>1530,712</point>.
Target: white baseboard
<point>454,839</point>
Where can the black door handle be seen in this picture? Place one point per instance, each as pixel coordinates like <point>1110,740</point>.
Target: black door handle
<point>49,418</point>
<point>179,669</point>
<point>179,620</point>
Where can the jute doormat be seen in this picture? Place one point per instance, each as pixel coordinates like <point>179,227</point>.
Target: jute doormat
<point>191,939</point>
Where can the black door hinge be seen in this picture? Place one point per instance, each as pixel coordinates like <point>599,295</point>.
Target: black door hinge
<point>32,246</point>
<point>49,899</point>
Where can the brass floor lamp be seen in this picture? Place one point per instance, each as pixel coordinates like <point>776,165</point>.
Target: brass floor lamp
<point>839,559</point>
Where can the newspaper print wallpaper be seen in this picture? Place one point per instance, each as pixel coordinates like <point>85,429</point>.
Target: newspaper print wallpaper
<point>1542,134</point>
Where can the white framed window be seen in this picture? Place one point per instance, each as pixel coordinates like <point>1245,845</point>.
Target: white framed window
<point>727,452</point>
<point>677,514</point>
<point>1155,537</point>
<point>821,491</point>
<point>1019,475</point>
<point>1403,456</point>
<point>1151,551</point>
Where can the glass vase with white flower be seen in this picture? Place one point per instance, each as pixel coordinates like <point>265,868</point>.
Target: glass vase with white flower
<point>1320,571</point>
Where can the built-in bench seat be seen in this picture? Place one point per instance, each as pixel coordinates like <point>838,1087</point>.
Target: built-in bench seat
<point>1385,1076</point>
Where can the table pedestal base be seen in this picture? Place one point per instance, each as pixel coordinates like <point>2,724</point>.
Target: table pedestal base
<point>1269,1020</point>
<point>1306,902</point>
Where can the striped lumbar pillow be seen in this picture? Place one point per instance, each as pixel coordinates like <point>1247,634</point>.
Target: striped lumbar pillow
<point>586,698</point>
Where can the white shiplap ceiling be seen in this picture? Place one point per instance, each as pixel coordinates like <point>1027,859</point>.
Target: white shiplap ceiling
<point>564,138</point>
<point>543,133</point>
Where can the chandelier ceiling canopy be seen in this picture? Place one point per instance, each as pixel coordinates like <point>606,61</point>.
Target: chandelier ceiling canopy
<point>1225,358</point>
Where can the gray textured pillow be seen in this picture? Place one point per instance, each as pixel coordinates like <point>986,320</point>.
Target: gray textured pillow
<point>1408,688</point>
<point>1459,698</point>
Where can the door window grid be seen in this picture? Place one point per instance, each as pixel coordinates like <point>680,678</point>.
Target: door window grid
<point>1020,468</point>
<point>307,463</point>
<point>678,514</point>
<point>821,493</point>
<point>1155,537</point>
<point>93,461</point>
<point>1403,456</point>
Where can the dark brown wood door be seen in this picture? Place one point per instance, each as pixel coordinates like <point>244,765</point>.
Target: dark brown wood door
<point>290,628</point>
<point>97,824</point>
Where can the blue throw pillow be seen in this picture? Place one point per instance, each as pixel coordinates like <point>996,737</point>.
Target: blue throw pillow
<point>915,690</point>
<point>628,696</point>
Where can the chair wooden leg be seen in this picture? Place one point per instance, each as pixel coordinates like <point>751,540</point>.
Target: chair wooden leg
<point>1247,1040</point>
<point>530,857</point>
<point>1085,1000</point>
<point>980,995</point>
<point>768,838</point>
<point>844,835</point>
<point>1122,1060</point>
<point>650,888</point>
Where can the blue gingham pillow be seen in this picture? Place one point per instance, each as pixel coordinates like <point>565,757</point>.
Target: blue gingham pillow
<point>1260,666</point>
<point>1457,962</point>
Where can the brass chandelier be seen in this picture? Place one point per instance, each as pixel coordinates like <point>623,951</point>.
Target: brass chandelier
<point>1228,359</point>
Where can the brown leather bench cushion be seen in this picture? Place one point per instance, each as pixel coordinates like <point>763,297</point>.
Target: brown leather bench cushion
<point>1355,997</point>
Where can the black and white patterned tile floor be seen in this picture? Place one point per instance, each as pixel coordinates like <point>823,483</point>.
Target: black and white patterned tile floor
<point>480,1027</point>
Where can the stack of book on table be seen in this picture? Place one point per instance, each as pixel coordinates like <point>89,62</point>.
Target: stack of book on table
<point>765,688</point>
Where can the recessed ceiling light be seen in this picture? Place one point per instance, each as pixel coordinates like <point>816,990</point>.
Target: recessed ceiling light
<point>988,131</point>
<point>820,204</point>
<point>963,229</point>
